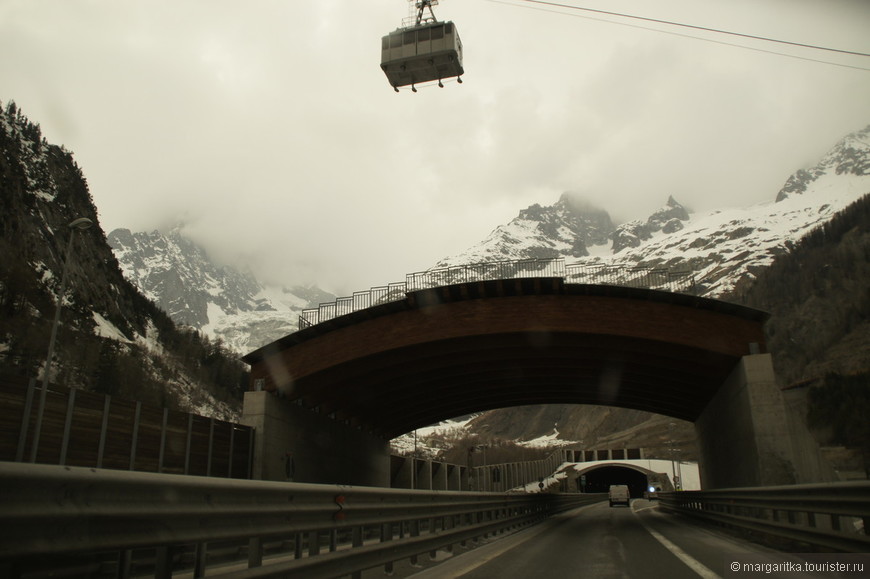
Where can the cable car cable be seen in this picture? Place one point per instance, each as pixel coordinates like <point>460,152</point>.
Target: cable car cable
<point>672,33</point>
<point>694,27</point>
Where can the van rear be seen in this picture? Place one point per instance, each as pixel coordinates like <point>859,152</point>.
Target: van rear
<point>619,495</point>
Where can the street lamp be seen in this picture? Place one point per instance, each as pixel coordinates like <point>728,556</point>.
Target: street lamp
<point>79,224</point>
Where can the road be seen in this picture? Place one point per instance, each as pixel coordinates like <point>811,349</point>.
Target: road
<point>600,541</point>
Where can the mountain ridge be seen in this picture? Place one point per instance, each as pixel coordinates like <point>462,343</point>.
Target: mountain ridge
<point>220,300</point>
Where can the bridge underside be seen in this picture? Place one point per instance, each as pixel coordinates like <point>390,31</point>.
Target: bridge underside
<point>394,392</point>
<point>450,351</point>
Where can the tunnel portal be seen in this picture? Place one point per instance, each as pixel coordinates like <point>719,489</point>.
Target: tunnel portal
<point>598,480</point>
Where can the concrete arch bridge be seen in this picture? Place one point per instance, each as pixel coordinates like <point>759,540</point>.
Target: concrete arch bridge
<point>326,399</point>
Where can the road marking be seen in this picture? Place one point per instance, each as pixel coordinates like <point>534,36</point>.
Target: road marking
<point>477,556</point>
<point>687,559</point>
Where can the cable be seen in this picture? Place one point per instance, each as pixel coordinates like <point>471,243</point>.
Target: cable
<point>705,29</point>
<point>672,33</point>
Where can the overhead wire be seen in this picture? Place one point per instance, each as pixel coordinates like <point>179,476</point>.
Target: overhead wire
<point>691,26</point>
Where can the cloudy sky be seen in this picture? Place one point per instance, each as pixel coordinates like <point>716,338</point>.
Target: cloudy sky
<point>268,128</point>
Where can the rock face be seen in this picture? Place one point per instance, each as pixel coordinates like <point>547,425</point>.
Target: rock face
<point>848,157</point>
<point>222,301</point>
<point>668,219</point>
<point>568,228</point>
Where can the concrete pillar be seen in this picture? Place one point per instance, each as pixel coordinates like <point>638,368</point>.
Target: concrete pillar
<point>743,431</point>
<point>439,476</point>
<point>401,469</point>
<point>454,480</point>
<point>323,450</point>
<point>424,474</point>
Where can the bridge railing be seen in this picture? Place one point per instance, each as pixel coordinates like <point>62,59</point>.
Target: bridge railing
<point>661,279</point>
<point>443,276</point>
<point>830,516</point>
<point>71,516</point>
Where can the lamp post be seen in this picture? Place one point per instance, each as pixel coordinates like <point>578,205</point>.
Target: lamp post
<point>79,224</point>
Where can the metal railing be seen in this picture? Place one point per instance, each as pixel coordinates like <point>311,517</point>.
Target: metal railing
<point>830,516</point>
<point>113,519</point>
<point>661,279</point>
<point>67,426</point>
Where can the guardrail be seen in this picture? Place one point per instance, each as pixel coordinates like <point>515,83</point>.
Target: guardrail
<point>662,279</point>
<point>110,521</point>
<point>830,516</point>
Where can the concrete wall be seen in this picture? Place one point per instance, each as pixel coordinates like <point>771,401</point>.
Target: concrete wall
<point>323,450</point>
<point>811,464</point>
<point>745,433</point>
<point>419,473</point>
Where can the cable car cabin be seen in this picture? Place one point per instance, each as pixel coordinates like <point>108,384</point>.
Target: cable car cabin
<point>418,54</point>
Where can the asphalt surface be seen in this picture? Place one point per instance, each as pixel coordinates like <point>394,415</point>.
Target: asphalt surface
<point>601,541</point>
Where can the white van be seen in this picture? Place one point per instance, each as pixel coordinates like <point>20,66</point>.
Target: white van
<point>619,494</point>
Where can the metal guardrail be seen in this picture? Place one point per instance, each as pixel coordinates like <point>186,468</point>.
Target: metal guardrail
<point>662,279</point>
<point>61,514</point>
<point>821,515</point>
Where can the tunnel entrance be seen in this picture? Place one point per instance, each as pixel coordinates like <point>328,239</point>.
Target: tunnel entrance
<point>599,480</point>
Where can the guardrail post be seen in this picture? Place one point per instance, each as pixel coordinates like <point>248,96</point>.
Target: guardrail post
<point>125,564</point>
<point>313,543</point>
<point>255,552</point>
<point>387,535</point>
<point>356,541</point>
<point>414,532</point>
<point>297,546</point>
<point>163,563</point>
<point>199,560</point>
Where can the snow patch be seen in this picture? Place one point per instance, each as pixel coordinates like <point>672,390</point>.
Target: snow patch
<point>106,329</point>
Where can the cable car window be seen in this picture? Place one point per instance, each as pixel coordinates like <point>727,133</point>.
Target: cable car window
<point>385,43</point>
<point>423,34</point>
<point>437,32</point>
<point>410,37</point>
<point>448,28</point>
<point>396,40</point>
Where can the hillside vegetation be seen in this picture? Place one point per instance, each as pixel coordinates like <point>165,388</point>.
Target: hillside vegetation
<point>818,295</point>
<point>111,338</point>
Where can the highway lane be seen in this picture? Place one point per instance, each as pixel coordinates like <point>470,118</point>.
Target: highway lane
<point>600,541</point>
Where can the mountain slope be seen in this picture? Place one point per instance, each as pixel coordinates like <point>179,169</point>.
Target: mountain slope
<point>111,338</point>
<point>221,301</point>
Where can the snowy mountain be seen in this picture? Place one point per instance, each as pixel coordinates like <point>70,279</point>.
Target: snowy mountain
<point>720,248</point>
<point>220,301</point>
<point>566,229</point>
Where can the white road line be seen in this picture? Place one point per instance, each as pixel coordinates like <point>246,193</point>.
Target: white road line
<point>689,561</point>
